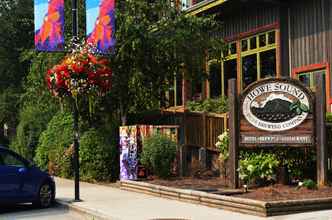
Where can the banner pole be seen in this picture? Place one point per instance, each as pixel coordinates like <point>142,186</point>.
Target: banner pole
<point>75,110</point>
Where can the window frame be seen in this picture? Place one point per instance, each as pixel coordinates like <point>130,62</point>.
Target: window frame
<point>173,90</point>
<point>314,68</point>
<point>239,55</point>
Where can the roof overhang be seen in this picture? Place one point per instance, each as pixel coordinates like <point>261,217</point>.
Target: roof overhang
<point>203,6</point>
<point>208,5</point>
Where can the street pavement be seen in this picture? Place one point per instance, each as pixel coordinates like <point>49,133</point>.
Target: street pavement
<point>27,212</point>
<point>113,203</point>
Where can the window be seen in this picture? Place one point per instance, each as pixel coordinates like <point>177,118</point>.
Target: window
<point>309,78</point>
<point>215,78</point>
<point>257,55</point>
<point>307,75</point>
<point>174,93</point>
<point>10,160</point>
<point>229,66</point>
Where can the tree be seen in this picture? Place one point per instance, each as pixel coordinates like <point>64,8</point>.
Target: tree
<point>37,107</point>
<point>34,106</point>
<point>155,42</point>
<point>16,18</point>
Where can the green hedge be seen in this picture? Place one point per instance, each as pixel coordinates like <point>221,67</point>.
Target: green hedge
<point>54,151</point>
<point>98,157</point>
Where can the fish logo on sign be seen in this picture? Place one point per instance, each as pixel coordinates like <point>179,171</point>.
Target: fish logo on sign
<point>276,106</point>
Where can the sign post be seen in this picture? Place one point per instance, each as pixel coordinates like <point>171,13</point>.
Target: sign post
<point>233,132</point>
<point>321,132</point>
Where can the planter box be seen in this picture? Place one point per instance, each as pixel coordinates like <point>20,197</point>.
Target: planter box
<point>242,205</point>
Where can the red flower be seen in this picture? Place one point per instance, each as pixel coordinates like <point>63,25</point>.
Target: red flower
<point>92,58</point>
<point>78,67</point>
<point>88,71</point>
<point>59,68</point>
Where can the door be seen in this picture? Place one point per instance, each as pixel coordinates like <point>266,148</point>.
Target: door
<point>12,171</point>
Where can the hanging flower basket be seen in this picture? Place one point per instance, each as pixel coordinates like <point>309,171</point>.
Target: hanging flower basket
<point>80,73</point>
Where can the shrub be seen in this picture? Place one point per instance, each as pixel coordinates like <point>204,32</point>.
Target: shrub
<point>222,146</point>
<point>218,105</point>
<point>300,163</point>
<point>98,157</point>
<point>33,121</point>
<point>4,141</point>
<point>258,167</point>
<point>328,117</point>
<point>309,184</point>
<point>158,154</point>
<point>54,152</point>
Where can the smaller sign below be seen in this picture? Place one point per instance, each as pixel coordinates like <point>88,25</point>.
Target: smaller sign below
<point>276,139</point>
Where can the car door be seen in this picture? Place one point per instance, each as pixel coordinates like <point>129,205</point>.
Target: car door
<point>12,171</point>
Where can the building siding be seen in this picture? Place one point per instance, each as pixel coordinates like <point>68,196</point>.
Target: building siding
<point>308,26</point>
<point>328,6</point>
<point>248,20</point>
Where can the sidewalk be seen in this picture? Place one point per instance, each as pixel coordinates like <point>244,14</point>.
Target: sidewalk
<point>104,202</point>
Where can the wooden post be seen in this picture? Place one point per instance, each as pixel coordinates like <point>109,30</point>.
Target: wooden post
<point>204,131</point>
<point>321,132</point>
<point>233,132</point>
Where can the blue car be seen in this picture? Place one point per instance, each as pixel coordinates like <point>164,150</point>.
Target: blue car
<point>22,182</point>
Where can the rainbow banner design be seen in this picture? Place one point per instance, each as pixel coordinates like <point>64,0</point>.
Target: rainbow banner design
<point>49,25</point>
<point>100,24</point>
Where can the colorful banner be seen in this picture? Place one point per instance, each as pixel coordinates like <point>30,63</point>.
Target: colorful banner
<point>100,24</point>
<point>49,25</point>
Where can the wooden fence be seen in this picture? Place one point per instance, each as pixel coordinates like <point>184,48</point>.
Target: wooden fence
<point>196,129</point>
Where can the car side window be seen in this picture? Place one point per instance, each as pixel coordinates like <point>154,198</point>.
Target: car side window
<point>11,160</point>
<point>1,160</point>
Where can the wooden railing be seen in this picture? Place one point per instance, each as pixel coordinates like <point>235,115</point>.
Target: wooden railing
<point>196,129</point>
<point>203,129</point>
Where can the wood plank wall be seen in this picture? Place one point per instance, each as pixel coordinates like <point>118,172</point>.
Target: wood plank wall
<point>328,5</point>
<point>246,19</point>
<point>308,32</point>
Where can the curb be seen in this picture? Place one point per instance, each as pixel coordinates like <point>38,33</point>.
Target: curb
<point>86,212</point>
<point>242,205</point>
<point>231,203</point>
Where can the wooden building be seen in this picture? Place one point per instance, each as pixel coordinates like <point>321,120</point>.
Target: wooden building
<point>278,38</point>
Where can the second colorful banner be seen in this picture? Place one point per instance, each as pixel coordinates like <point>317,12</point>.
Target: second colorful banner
<point>100,24</point>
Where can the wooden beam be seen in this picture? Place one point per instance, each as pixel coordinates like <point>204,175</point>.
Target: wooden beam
<point>321,132</point>
<point>234,133</point>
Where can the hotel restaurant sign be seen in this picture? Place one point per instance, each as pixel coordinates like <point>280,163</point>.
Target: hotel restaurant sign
<point>276,112</point>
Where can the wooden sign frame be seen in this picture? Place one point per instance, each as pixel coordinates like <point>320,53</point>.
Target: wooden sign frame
<point>304,129</point>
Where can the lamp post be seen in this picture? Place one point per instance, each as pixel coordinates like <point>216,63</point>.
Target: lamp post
<point>75,111</point>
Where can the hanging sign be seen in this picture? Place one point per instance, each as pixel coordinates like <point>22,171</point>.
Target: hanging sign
<point>100,24</point>
<point>276,111</point>
<point>49,25</point>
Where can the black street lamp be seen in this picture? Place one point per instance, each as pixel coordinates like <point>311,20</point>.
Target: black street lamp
<point>75,111</point>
